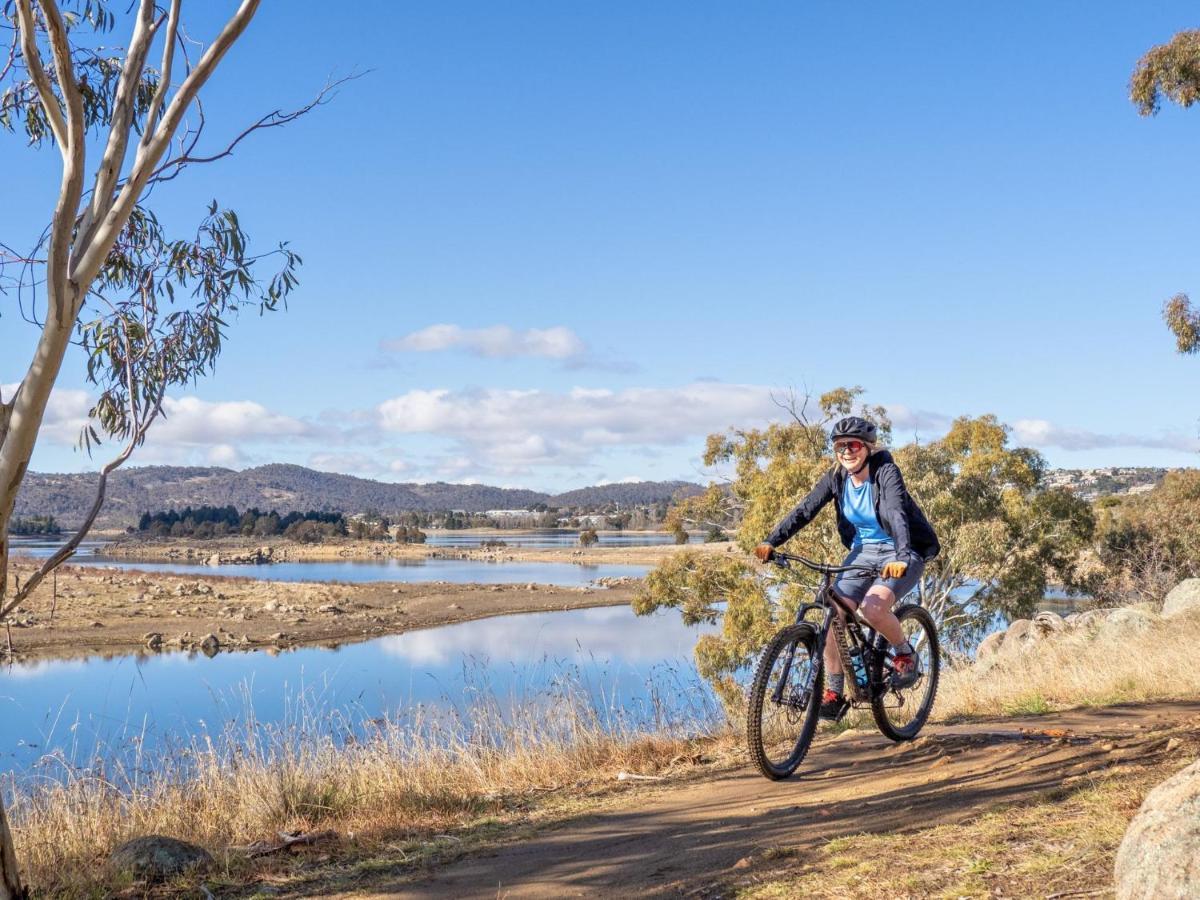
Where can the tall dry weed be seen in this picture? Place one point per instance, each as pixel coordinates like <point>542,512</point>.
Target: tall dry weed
<point>380,779</point>
<point>1130,660</point>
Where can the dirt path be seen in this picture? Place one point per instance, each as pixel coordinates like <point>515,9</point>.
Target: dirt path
<point>689,839</point>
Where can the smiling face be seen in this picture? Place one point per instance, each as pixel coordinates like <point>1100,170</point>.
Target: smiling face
<point>851,453</point>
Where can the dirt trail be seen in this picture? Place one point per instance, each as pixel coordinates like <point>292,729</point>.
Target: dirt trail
<point>686,840</point>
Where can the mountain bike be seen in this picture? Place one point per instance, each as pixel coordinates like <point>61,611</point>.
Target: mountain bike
<point>781,715</point>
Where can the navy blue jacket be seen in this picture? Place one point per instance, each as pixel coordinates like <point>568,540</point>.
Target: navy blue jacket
<point>896,511</point>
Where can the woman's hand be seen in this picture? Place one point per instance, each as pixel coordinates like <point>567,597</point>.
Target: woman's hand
<point>895,569</point>
<point>764,552</point>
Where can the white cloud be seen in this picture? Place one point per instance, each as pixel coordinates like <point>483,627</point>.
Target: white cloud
<point>1041,433</point>
<point>346,463</point>
<point>905,418</point>
<point>498,342</point>
<point>66,412</point>
<point>223,455</point>
<point>190,420</point>
<point>512,430</point>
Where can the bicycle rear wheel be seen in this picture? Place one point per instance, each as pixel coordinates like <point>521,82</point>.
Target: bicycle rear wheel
<point>900,714</point>
<point>778,731</point>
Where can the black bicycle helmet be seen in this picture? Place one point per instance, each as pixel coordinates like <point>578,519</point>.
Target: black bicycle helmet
<point>854,427</point>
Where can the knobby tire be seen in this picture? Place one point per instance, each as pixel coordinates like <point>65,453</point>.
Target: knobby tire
<point>924,691</point>
<point>804,637</point>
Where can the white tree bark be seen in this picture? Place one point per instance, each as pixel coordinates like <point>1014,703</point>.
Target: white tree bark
<point>81,239</point>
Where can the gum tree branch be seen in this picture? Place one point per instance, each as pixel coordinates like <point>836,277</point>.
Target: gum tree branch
<point>152,151</point>
<point>37,72</point>
<point>164,82</point>
<point>124,104</point>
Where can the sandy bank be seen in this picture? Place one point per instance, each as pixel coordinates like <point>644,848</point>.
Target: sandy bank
<point>284,550</point>
<point>114,611</point>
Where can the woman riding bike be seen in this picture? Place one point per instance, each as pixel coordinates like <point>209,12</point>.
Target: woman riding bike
<point>884,530</point>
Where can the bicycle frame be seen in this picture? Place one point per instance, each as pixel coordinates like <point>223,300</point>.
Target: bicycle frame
<point>848,633</point>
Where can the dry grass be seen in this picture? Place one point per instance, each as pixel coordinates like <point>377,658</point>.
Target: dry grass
<point>1063,844</point>
<point>406,784</point>
<point>379,781</point>
<point>1115,664</point>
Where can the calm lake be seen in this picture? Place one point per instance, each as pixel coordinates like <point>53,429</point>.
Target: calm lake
<point>635,669</point>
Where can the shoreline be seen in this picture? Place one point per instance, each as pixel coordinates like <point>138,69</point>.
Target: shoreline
<point>250,549</point>
<point>96,610</point>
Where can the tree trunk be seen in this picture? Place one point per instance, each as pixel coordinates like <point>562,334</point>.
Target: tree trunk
<point>10,879</point>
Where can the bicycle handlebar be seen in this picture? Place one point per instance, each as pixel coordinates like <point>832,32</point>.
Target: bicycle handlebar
<point>783,559</point>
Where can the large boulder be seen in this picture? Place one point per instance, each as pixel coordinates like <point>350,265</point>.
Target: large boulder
<point>1047,623</point>
<point>1126,618</point>
<point>989,646</point>
<point>156,857</point>
<point>1184,597</point>
<point>1017,635</point>
<point>1159,858</point>
<point>1091,619</point>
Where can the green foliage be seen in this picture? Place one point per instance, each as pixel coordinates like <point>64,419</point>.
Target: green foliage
<point>1004,535</point>
<point>205,522</point>
<point>1184,322</point>
<point>34,525</point>
<point>1170,70</point>
<point>1147,543</point>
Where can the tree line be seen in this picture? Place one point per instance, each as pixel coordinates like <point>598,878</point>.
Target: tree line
<point>32,525</point>
<point>313,526</point>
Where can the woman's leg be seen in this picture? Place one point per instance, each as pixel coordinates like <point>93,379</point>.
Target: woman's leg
<point>877,610</point>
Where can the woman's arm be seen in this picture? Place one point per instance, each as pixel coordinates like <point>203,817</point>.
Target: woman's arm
<point>893,503</point>
<point>804,512</point>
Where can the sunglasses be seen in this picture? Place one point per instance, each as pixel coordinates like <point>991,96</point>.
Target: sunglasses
<point>848,448</point>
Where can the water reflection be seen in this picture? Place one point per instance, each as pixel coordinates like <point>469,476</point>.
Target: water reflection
<point>454,571</point>
<point>83,708</point>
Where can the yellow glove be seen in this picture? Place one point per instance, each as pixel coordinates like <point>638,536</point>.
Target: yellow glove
<point>895,570</point>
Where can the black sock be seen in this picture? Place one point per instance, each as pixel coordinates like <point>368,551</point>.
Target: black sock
<point>837,683</point>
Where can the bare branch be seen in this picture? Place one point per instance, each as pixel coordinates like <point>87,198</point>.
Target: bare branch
<point>274,119</point>
<point>68,549</point>
<point>37,71</point>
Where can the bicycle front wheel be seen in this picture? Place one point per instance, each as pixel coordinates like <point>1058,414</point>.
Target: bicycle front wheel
<point>785,697</point>
<point>901,713</point>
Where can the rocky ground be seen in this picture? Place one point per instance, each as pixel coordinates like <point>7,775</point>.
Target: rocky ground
<point>261,550</point>
<point>89,610</point>
<point>85,609</point>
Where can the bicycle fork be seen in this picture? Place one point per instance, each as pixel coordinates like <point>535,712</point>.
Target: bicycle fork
<point>805,690</point>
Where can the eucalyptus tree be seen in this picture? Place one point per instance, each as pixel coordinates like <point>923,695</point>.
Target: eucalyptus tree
<point>1172,70</point>
<point>148,309</point>
<point>1004,534</point>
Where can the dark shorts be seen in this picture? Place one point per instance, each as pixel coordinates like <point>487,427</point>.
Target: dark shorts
<point>854,585</point>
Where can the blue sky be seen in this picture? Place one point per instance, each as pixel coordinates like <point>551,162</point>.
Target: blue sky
<point>550,244</point>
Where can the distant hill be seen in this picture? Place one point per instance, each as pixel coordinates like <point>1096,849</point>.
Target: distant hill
<point>286,488</point>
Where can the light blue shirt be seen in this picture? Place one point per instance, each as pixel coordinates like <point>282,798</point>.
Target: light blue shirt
<point>858,506</point>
